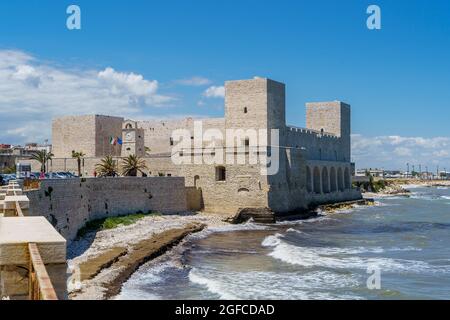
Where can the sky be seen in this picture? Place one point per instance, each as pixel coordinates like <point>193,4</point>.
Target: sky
<point>169,59</point>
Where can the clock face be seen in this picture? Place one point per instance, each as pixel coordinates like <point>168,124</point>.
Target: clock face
<point>129,136</point>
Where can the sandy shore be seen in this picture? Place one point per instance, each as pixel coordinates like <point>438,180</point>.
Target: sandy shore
<point>102,261</point>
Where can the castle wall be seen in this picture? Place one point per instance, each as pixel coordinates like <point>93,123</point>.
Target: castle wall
<point>69,204</point>
<point>158,133</point>
<point>333,117</point>
<point>244,187</point>
<point>107,127</point>
<point>287,187</point>
<point>316,146</point>
<point>90,134</point>
<point>73,133</point>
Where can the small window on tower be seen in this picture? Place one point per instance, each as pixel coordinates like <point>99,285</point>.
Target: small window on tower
<point>221,174</point>
<point>245,110</point>
<point>171,141</point>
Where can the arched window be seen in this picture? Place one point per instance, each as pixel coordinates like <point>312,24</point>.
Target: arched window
<point>196,180</point>
<point>129,126</point>
<point>243,191</point>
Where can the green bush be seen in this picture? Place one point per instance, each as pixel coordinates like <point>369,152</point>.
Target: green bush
<point>113,222</point>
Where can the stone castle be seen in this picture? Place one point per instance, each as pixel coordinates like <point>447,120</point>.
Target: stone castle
<point>314,163</point>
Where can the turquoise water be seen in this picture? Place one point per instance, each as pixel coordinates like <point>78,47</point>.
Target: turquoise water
<point>406,239</point>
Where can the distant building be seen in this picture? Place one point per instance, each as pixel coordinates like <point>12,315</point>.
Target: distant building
<point>376,173</point>
<point>10,155</point>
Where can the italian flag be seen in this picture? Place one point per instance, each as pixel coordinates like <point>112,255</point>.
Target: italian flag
<point>113,141</point>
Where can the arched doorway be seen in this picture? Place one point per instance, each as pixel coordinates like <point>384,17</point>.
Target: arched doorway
<point>325,180</point>
<point>340,180</point>
<point>196,181</point>
<point>309,182</point>
<point>347,179</point>
<point>316,180</point>
<point>333,180</point>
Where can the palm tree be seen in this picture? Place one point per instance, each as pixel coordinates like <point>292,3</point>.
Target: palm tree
<point>42,157</point>
<point>79,156</point>
<point>132,164</point>
<point>107,167</point>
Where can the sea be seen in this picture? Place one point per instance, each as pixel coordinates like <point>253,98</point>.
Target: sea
<point>397,249</point>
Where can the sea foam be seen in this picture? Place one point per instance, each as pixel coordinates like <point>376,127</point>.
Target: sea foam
<point>343,258</point>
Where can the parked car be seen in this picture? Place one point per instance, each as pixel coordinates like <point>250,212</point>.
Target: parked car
<point>8,177</point>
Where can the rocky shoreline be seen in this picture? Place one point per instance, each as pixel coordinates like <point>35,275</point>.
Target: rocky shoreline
<point>103,261</point>
<point>401,187</point>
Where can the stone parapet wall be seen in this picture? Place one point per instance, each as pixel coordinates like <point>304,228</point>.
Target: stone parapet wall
<point>68,204</point>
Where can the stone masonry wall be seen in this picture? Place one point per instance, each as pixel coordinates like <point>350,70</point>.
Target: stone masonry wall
<point>69,204</point>
<point>73,132</point>
<point>90,134</point>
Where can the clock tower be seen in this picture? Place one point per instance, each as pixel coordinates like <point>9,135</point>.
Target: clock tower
<point>132,139</point>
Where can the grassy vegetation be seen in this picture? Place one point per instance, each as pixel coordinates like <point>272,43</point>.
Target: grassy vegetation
<point>113,222</point>
<point>378,185</point>
<point>373,185</point>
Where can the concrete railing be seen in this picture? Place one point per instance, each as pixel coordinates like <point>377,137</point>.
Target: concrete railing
<point>15,231</point>
<point>40,285</point>
<point>13,202</point>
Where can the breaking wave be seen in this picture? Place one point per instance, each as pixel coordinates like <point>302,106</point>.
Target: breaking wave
<point>342,258</point>
<point>270,285</point>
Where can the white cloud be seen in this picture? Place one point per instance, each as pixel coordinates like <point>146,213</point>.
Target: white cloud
<point>393,152</point>
<point>194,81</point>
<point>403,152</point>
<point>32,92</point>
<point>214,92</point>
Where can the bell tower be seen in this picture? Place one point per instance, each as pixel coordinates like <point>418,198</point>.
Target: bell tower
<point>132,139</point>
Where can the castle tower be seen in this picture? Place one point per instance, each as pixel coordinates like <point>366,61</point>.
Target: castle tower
<point>258,103</point>
<point>133,139</point>
<point>331,117</point>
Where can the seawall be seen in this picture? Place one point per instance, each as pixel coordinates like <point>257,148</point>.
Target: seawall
<point>68,204</point>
